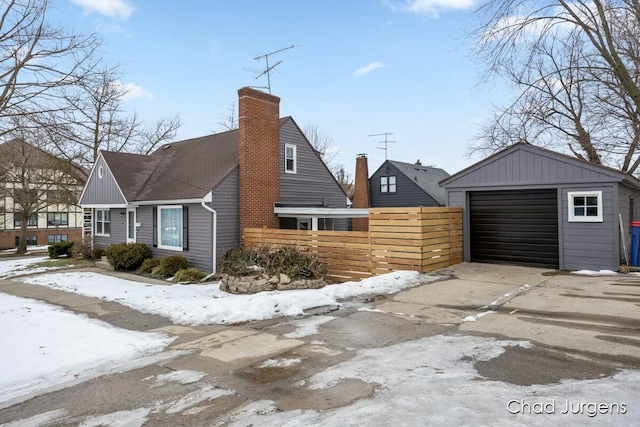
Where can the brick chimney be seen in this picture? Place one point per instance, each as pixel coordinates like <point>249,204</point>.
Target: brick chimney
<point>258,157</point>
<point>361,192</point>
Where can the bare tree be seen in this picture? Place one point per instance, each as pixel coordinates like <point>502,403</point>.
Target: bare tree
<point>345,181</point>
<point>92,118</point>
<point>575,66</point>
<point>36,59</point>
<point>323,144</point>
<point>229,121</point>
<point>33,180</point>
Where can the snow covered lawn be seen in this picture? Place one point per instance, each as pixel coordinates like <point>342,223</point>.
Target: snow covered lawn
<point>207,304</point>
<point>15,267</point>
<point>44,347</point>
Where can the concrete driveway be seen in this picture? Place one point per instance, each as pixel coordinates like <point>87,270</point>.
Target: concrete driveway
<point>582,327</point>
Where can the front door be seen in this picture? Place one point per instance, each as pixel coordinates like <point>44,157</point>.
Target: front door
<point>131,225</point>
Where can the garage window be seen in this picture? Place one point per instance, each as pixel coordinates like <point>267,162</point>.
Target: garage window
<point>585,206</point>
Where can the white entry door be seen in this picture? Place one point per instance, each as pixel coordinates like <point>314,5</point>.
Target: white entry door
<point>131,225</point>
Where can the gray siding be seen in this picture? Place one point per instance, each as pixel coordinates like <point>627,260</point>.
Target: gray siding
<point>407,192</point>
<point>200,222</point>
<point>225,202</point>
<point>524,167</point>
<point>118,229</point>
<point>313,182</point>
<point>102,191</point>
<point>455,199</point>
<point>200,236</point>
<point>590,245</point>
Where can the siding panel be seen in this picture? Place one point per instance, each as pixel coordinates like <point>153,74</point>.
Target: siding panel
<point>226,204</point>
<point>408,194</point>
<point>103,191</point>
<point>589,245</point>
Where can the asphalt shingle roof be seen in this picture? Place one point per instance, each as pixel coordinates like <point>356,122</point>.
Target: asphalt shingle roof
<point>180,170</point>
<point>426,177</point>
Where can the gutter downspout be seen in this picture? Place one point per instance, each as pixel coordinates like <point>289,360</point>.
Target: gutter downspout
<point>215,235</point>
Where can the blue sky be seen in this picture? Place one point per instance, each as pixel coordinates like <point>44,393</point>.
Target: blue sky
<point>359,67</point>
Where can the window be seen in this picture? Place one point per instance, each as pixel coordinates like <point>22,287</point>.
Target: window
<point>388,184</point>
<point>290,158</point>
<point>31,241</point>
<point>55,238</point>
<point>585,206</point>
<point>170,228</point>
<point>100,171</point>
<point>17,220</point>
<point>103,222</point>
<point>56,219</point>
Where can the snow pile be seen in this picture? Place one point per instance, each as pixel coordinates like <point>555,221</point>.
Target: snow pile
<point>595,273</point>
<point>207,304</point>
<point>35,354</point>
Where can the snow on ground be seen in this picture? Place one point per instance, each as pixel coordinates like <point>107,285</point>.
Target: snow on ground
<point>207,304</point>
<point>44,346</point>
<point>595,273</point>
<point>432,381</point>
<point>15,267</point>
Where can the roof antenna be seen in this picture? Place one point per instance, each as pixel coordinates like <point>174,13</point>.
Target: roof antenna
<point>268,68</point>
<point>386,142</point>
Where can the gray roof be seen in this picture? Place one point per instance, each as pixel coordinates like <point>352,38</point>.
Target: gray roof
<point>186,169</point>
<point>426,177</point>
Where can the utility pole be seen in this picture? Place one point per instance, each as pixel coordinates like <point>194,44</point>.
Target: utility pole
<point>386,142</point>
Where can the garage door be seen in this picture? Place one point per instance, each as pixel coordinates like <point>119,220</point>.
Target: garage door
<point>515,227</point>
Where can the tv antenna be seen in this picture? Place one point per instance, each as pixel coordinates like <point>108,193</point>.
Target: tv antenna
<point>267,70</point>
<point>386,142</point>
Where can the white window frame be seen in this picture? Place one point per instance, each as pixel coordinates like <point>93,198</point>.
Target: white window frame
<point>103,222</point>
<point>159,222</point>
<point>584,218</point>
<point>294,159</point>
<point>392,184</point>
<point>388,184</point>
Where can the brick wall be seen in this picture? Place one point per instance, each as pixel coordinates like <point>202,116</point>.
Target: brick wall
<point>8,237</point>
<point>258,156</point>
<point>361,192</point>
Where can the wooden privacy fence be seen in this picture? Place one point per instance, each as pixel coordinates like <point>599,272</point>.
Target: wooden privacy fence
<point>421,239</point>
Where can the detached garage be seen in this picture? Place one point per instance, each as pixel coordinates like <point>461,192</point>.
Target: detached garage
<point>530,206</point>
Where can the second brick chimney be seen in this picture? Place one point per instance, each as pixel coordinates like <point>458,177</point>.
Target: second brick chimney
<point>258,158</point>
<point>361,192</point>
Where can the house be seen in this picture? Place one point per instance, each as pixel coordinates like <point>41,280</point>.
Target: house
<point>195,197</point>
<point>399,184</point>
<point>42,189</point>
<point>527,205</point>
<point>396,184</point>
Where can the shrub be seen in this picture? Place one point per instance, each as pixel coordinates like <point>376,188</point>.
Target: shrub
<point>188,275</point>
<point>127,256</point>
<point>149,264</point>
<point>83,249</point>
<point>288,260</point>
<point>60,249</point>
<point>97,253</point>
<point>171,264</point>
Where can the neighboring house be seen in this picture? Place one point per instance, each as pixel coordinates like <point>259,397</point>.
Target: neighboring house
<point>399,184</point>
<point>47,187</point>
<point>527,205</point>
<point>196,196</point>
